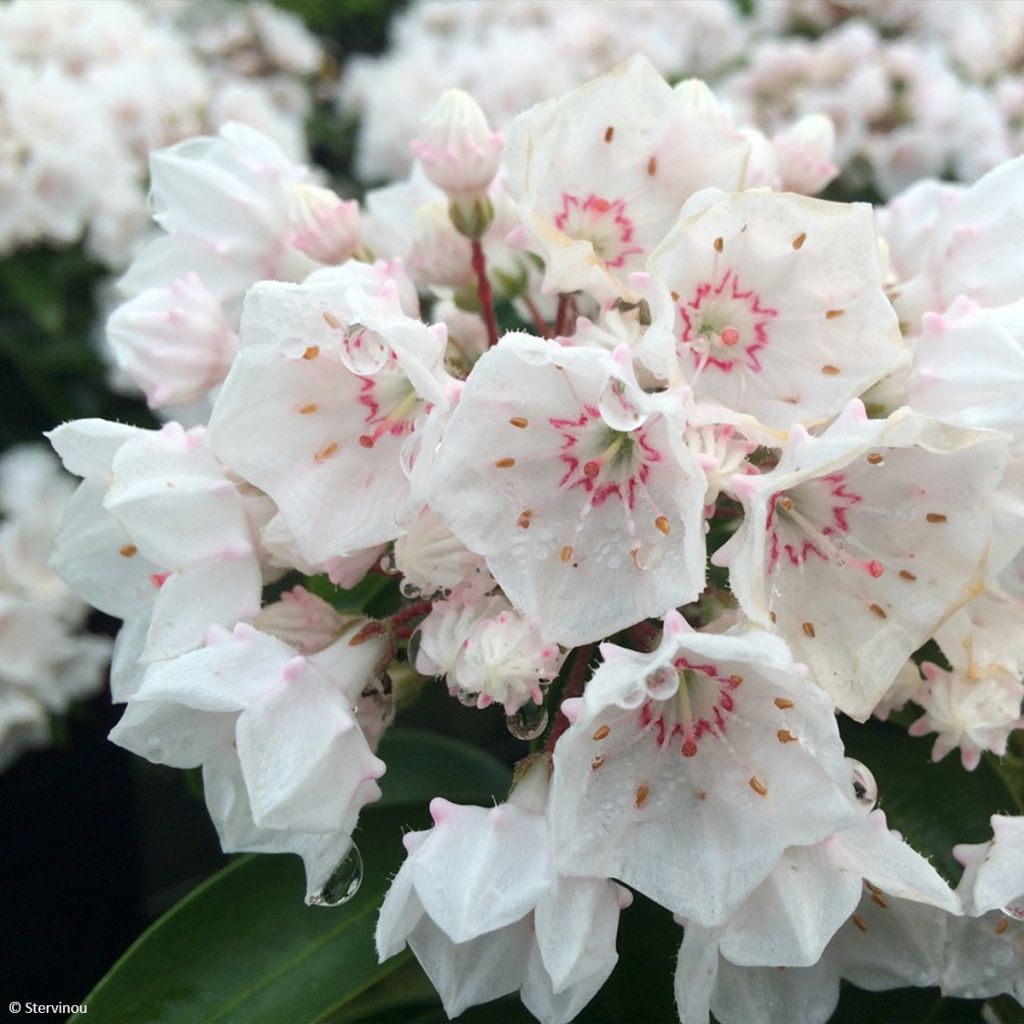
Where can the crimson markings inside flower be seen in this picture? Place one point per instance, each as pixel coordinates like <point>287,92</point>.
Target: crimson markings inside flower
<point>602,222</point>
<point>699,706</point>
<point>794,533</point>
<point>724,326</point>
<point>391,406</point>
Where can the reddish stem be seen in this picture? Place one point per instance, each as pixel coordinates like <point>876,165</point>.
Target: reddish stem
<point>411,611</point>
<point>484,293</point>
<point>573,688</point>
<point>561,315</point>
<point>543,327</point>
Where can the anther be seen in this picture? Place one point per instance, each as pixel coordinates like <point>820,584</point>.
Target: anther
<point>506,463</point>
<point>757,786</point>
<point>830,371</point>
<point>879,900</point>
<point>782,704</point>
<point>735,680</point>
<point>332,321</point>
<point>662,524</point>
<point>905,575</point>
<point>597,762</point>
<point>519,421</point>
<point>370,630</point>
<point>785,736</point>
<point>307,409</point>
<point>808,628</point>
<point>523,522</point>
<point>641,795</point>
<point>1002,924</point>
<point>128,551</point>
<point>326,452</point>
<point>878,610</point>
<point>832,314</point>
<point>601,732</point>
<point>875,459</point>
<point>311,353</point>
<point>800,239</point>
<point>935,517</point>
<point>719,245</point>
<point>860,922</point>
<point>652,166</point>
<point>609,133</point>
<point>566,554</point>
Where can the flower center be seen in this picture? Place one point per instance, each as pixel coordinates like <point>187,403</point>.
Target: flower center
<point>391,405</point>
<point>602,222</point>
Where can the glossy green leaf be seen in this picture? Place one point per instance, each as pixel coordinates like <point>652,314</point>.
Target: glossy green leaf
<point>934,805</point>
<point>243,947</point>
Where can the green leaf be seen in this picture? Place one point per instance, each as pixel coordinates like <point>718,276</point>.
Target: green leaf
<point>934,805</point>
<point>244,947</point>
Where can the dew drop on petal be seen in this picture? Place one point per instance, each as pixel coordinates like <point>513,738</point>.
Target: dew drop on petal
<point>467,698</point>
<point>528,722</point>
<point>343,882</point>
<point>1015,909</point>
<point>865,789</point>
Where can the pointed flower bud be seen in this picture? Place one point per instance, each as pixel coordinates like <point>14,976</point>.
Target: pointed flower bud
<point>458,150</point>
<point>326,226</point>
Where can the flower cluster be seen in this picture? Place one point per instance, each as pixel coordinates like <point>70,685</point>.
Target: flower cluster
<point>690,369</point>
<point>45,660</point>
<point>944,99</point>
<point>88,87</point>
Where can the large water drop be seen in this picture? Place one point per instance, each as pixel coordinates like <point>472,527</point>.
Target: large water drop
<point>342,883</point>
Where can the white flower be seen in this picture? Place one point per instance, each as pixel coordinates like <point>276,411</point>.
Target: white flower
<point>575,487</point>
<point>173,341</point>
<point>484,912</point>
<point>458,150</point>
<point>779,309</point>
<point>687,772</point>
<point>861,541</point>
<point>285,765</point>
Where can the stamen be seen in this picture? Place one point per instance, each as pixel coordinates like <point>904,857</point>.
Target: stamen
<point>641,795</point>
<point>307,409</point>
<point>332,321</point>
<point>800,239</point>
<point>566,553</point>
<point>1001,925</point>
<point>808,628</point>
<point>860,922</point>
<point>905,575</point>
<point>326,452</point>
<point>782,704</point>
<point>878,899</point>
<point>519,421</point>
<point>609,133</point>
<point>878,610</point>
<point>506,463</point>
<point>128,551</point>
<point>830,371</point>
<point>757,786</point>
<point>311,353</point>
<point>652,166</point>
<point>785,736</point>
<point>935,517</point>
<point>601,732</point>
<point>662,524</point>
<point>832,314</point>
<point>524,519</point>
<point>719,245</point>
<point>875,459</point>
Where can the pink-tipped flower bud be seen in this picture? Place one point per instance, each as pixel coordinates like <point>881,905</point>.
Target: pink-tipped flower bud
<point>326,226</point>
<point>458,150</point>
<point>174,342</point>
<point>804,155</point>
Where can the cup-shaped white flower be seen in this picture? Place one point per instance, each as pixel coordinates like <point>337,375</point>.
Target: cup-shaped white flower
<point>688,771</point>
<point>575,486</point>
<point>861,541</point>
<point>285,765</point>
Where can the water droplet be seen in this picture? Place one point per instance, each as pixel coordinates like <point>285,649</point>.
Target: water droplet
<point>412,649</point>
<point>1014,910</point>
<point>528,722</point>
<point>865,789</point>
<point>467,698</point>
<point>662,683</point>
<point>343,882</point>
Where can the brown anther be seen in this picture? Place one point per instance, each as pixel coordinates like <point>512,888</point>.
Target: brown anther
<point>870,887</point>
<point>641,795</point>
<point>860,922</point>
<point>935,517</point>
<point>675,296</point>
<point>311,353</point>
<point>875,459</point>
<point>757,786</point>
<point>878,610</point>
<point>830,371</point>
<point>832,314</point>
<point>879,900</point>
<point>786,503</point>
<point>609,133</point>
<point>808,628</point>
<point>1002,924</point>
<point>662,524</point>
<point>332,321</point>
<point>326,452</point>
<point>505,463</point>
<point>735,680</point>
<point>128,551</point>
<point>785,736</point>
<point>307,409</point>
<point>597,762</point>
<point>652,166</point>
<point>519,421</point>
<point>701,795</point>
<point>719,245</point>
<point>523,522</point>
<point>800,239</point>
<point>773,617</point>
<point>782,704</point>
<point>905,575</point>
<point>566,553</point>
<point>601,732</point>
<point>368,632</point>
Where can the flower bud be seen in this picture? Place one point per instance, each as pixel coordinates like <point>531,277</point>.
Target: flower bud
<point>804,154</point>
<point>459,152</point>
<point>326,226</point>
<point>174,342</point>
